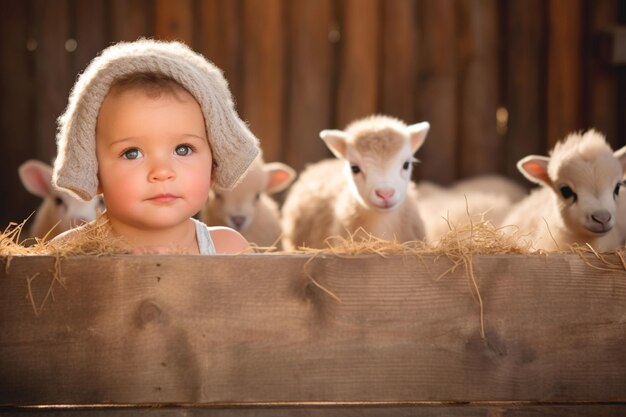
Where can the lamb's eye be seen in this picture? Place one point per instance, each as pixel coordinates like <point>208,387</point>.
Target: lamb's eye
<point>355,169</point>
<point>218,196</point>
<point>567,192</point>
<point>257,196</point>
<point>616,190</point>
<point>58,201</point>
<point>406,165</point>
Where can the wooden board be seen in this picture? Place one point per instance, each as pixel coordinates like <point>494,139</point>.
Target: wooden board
<point>256,330</point>
<point>54,73</point>
<point>313,38</point>
<point>436,101</point>
<point>174,20</point>
<point>525,58</point>
<point>602,77</point>
<point>399,59</point>
<point>361,410</point>
<point>131,19</point>
<point>17,105</point>
<point>358,90</point>
<point>263,72</point>
<point>219,39</point>
<point>564,113</point>
<point>479,87</point>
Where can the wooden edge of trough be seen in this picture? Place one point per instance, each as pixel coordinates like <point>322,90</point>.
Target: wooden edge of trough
<point>307,331</point>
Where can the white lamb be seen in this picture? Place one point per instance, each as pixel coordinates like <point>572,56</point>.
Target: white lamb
<point>580,182</point>
<point>58,211</point>
<point>477,199</point>
<point>248,207</point>
<point>369,187</point>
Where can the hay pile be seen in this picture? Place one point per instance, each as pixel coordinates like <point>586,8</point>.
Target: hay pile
<point>94,239</point>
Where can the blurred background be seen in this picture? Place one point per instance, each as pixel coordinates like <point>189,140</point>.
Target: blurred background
<point>497,80</point>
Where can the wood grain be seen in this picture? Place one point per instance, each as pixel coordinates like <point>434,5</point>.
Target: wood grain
<point>17,106</point>
<point>436,98</point>
<point>399,59</point>
<point>564,113</point>
<point>255,329</point>
<point>54,73</point>
<point>131,19</point>
<point>220,37</point>
<point>358,91</point>
<point>263,64</point>
<point>601,92</point>
<point>173,20</point>
<point>526,64</point>
<point>479,87</point>
<point>312,46</point>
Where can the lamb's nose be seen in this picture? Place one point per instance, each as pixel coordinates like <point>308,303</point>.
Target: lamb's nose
<point>385,193</point>
<point>601,216</point>
<point>238,221</point>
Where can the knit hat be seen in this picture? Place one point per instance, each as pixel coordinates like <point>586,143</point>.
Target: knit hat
<point>233,146</point>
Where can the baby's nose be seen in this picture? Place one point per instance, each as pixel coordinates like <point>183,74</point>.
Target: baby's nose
<point>162,172</point>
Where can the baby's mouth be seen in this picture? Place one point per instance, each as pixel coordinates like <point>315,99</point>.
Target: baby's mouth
<point>163,198</point>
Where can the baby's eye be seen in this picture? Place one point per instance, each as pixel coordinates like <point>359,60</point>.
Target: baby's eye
<point>132,153</point>
<point>183,150</point>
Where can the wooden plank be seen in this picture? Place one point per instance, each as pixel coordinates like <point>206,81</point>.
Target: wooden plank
<point>312,48</point>
<point>220,37</point>
<point>432,410</point>
<point>17,123</point>
<point>359,61</point>
<point>437,91</point>
<point>173,20</point>
<point>601,85</point>
<point>525,82</point>
<point>255,329</point>
<point>479,87</point>
<point>54,75</point>
<point>131,19</point>
<point>399,59</point>
<point>90,32</point>
<point>564,113</point>
<point>264,72</point>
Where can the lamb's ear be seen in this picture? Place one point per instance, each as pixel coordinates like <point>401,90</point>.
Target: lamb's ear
<point>535,169</point>
<point>279,176</point>
<point>336,141</point>
<point>620,154</point>
<point>417,134</point>
<point>36,177</point>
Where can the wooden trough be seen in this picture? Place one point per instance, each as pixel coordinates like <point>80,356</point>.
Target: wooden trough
<point>269,335</point>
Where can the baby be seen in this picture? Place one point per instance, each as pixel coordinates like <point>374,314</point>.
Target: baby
<point>152,126</point>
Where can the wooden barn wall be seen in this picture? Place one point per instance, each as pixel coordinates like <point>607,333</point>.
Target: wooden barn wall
<point>299,66</point>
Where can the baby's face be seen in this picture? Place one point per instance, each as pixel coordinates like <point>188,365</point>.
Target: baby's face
<point>154,160</point>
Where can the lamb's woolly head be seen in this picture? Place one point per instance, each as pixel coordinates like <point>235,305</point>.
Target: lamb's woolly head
<point>237,207</point>
<point>233,146</point>
<point>58,208</point>
<point>586,176</point>
<point>378,151</point>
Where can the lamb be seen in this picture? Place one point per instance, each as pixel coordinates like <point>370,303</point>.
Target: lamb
<point>482,198</point>
<point>367,188</point>
<point>59,211</point>
<point>580,183</point>
<point>248,208</point>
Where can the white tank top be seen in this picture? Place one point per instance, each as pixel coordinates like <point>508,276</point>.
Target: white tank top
<point>205,243</point>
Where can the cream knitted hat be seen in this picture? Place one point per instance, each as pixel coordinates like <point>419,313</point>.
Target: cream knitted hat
<point>234,147</point>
